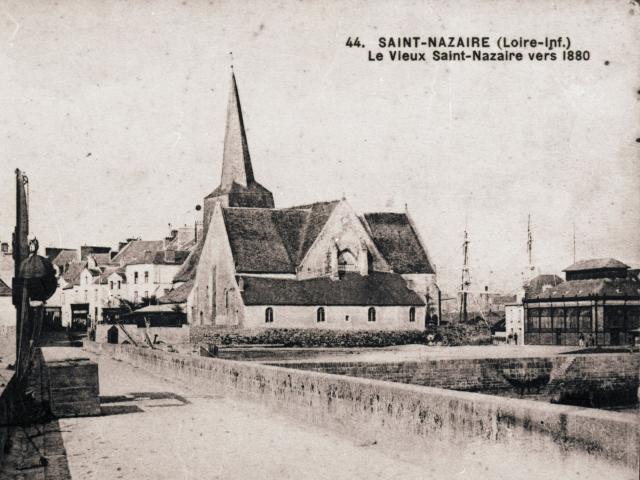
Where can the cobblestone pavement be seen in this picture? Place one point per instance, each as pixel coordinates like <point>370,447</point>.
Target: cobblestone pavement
<point>155,428</point>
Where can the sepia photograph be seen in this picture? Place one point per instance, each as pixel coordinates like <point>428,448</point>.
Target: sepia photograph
<point>306,239</point>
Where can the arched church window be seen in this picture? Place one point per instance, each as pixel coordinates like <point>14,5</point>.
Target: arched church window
<point>346,261</point>
<point>268,315</point>
<point>371,315</point>
<point>320,315</point>
<point>412,314</point>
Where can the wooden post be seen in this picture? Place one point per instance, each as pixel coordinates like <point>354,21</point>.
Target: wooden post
<point>20,253</point>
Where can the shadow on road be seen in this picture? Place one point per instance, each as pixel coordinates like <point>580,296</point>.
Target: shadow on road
<point>136,402</point>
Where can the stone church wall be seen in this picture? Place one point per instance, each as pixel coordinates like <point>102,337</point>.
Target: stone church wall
<point>215,296</point>
<point>387,317</point>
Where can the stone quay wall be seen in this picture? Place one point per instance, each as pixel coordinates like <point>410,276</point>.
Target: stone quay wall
<point>611,375</point>
<point>399,413</point>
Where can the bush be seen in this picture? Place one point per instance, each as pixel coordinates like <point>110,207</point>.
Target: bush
<point>298,337</point>
<point>462,334</point>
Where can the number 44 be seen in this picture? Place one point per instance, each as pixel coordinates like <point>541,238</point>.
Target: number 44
<point>353,43</point>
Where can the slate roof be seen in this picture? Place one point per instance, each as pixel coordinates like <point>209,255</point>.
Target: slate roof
<point>267,240</point>
<point>260,240</point>
<point>539,283</point>
<point>65,257</point>
<point>252,188</point>
<point>318,215</point>
<point>5,290</point>
<point>188,270</point>
<point>601,287</point>
<point>178,294</point>
<point>72,275</point>
<point>135,251</point>
<point>375,289</point>
<point>102,258</point>
<point>596,264</point>
<point>398,243</point>
<point>53,252</point>
<point>159,258</point>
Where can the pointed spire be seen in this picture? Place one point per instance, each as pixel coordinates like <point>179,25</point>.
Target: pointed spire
<point>236,162</point>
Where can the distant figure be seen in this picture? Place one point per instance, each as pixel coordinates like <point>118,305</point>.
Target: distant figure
<point>515,338</point>
<point>581,340</point>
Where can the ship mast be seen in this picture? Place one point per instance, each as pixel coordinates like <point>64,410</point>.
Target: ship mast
<point>530,248</point>
<point>466,278</point>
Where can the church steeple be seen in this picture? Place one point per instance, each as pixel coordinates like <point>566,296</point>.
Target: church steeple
<point>236,161</point>
<point>238,187</point>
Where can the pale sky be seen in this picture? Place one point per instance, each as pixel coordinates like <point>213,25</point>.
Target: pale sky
<point>116,112</point>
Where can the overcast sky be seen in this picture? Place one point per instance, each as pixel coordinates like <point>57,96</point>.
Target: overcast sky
<point>116,112</point>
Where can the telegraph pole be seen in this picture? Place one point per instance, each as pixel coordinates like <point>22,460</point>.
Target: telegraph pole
<point>466,279</point>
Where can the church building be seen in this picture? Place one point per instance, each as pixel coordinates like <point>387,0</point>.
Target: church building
<point>309,266</point>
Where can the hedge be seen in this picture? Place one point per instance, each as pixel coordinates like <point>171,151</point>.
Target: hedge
<point>305,338</point>
<point>461,334</point>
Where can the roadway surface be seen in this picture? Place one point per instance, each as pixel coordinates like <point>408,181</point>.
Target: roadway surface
<point>155,428</point>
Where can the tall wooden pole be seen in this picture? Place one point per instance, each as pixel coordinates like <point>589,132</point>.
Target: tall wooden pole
<point>20,250</point>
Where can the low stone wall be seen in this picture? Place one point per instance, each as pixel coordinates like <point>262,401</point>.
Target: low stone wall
<point>614,376</point>
<point>399,413</point>
<point>169,335</point>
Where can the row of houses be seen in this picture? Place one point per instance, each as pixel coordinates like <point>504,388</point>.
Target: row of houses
<point>95,283</point>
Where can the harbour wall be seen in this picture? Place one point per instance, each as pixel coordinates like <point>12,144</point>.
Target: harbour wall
<point>606,379</point>
<point>397,412</point>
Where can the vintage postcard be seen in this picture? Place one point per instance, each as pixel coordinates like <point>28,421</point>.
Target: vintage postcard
<point>319,239</point>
